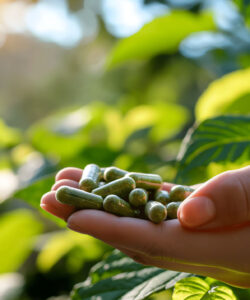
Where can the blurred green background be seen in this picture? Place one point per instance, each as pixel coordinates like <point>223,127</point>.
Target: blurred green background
<point>114,82</point>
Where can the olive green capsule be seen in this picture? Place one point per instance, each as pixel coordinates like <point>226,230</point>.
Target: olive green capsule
<point>78,198</point>
<point>180,192</point>
<point>118,206</point>
<point>155,211</point>
<point>120,187</point>
<point>113,173</point>
<point>101,174</point>
<point>90,178</point>
<point>162,197</point>
<point>138,197</point>
<point>172,208</point>
<point>146,181</point>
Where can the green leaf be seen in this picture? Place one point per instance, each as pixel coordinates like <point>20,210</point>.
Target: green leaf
<point>17,231</point>
<point>198,289</point>
<point>62,135</point>
<point>8,136</point>
<point>244,7</point>
<point>162,35</point>
<point>222,139</point>
<point>229,94</point>
<point>162,119</point>
<point>119,277</point>
<point>32,195</point>
<point>60,243</point>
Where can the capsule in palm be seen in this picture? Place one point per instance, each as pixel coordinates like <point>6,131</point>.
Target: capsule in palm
<point>162,197</point>
<point>90,178</point>
<point>138,197</point>
<point>155,211</point>
<point>117,206</point>
<point>146,181</point>
<point>172,209</point>
<point>120,187</point>
<point>113,173</point>
<point>78,198</point>
<point>180,192</point>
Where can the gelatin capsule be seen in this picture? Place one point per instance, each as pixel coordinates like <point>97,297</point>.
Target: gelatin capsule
<point>146,181</point>
<point>78,198</point>
<point>117,206</point>
<point>120,187</point>
<point>90,178</point>
<point>138,197</point>
<point>155,211</point>
<point>113,173</point>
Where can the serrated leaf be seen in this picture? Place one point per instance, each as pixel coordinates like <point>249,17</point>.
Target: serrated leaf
<point>198,289</point>
<point>229,94</point>
<point>162,35</point>
<point>131,282</point>
<point>221,139</point>
<point>17,231</point>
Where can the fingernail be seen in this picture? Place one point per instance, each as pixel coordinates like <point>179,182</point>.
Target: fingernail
<point>196,211</point>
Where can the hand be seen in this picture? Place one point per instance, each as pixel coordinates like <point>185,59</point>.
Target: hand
<point>221,202</point>
<point>223,255</point>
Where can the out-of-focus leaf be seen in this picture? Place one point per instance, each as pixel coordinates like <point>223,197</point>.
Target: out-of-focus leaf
<point>244,7</point>
<point>132,282</point>
<point>229,94</point>
<point>32,195</point>
<point>60,243</point>
<point>166,119</point>
<point>222,139</point>
<point>196,289</point>
<point>17,231</point>
<point>162,35</point>
<point>61,135</point>
<point>161,119</point>
<point>8,136</point>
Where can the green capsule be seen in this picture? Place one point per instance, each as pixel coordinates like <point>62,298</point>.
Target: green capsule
<point>118,206</point>
<point>138,197</point>
<point>180,192</point>
<point>120,187</point>
<point>162,197</point>
<point>78,198</point>
<point>90,178</point>
<point>172,208</point>
<point>101,175</point>
<point>113,173</point>
<point>146,181</point>
<point>155,211</point>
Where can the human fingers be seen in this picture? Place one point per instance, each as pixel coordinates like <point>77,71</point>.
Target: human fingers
<point>169,240</point>
<point>221,202</point>
<point>69,173</point>
<point>62,182</point>
<point>54,207</point>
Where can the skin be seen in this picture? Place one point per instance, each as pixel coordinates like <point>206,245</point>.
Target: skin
<point>211,236</point>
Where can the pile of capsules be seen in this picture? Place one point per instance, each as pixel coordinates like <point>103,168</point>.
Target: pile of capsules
<point>122,193</point>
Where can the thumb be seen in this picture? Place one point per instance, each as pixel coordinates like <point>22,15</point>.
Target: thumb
<point>221,202</point>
